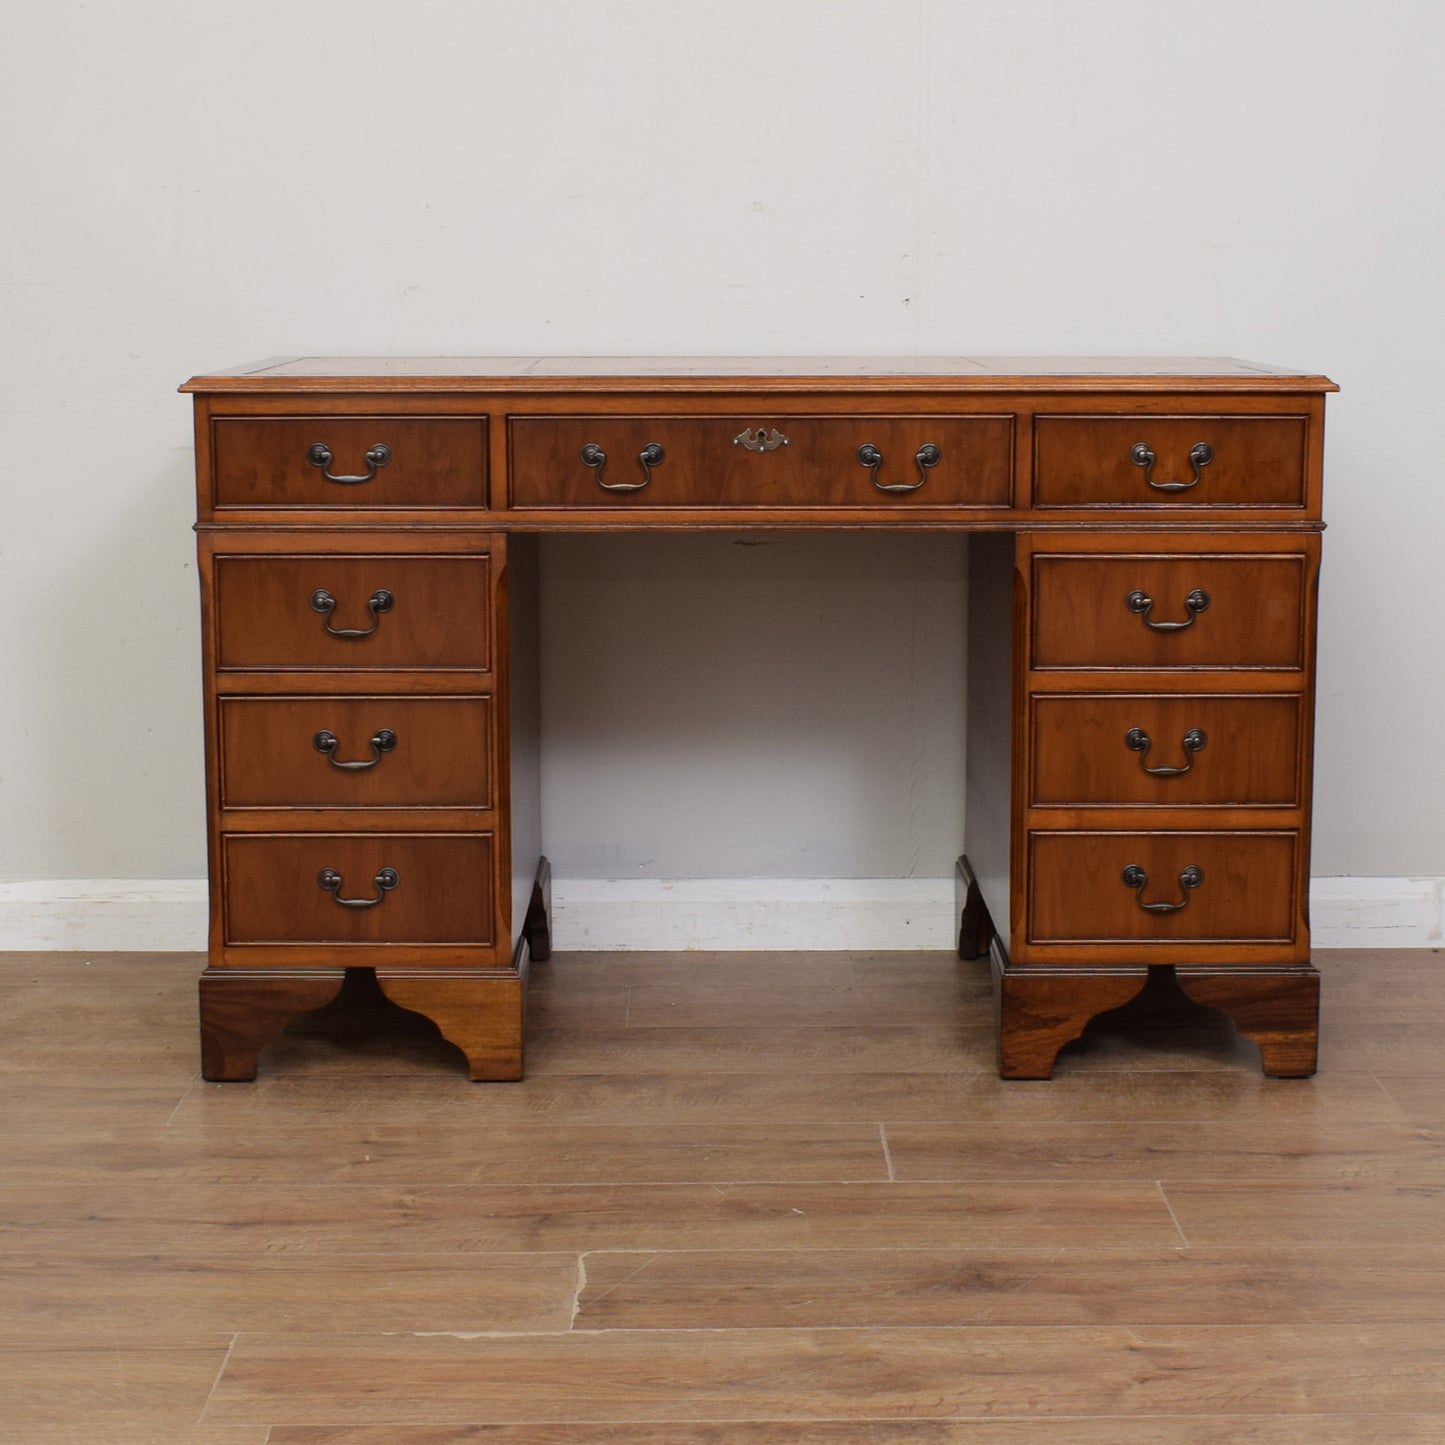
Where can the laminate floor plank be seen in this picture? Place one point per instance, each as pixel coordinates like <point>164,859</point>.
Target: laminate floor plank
<point>234,1219</point>
<point>704,1001</point>
<point>1292,1215</point>
<point>1282,1152</point>
<point>462,1154</point>
<point>692,1096</point>
<point>763,1199</point>
<point>121,1434</point>
<point>1159,1430</point>
<point>752,1289</point>
<point>782,1374</point>
<point>1420,1097</point>
<point>1387,1049</point>
<point>41,1104</point>
<point>76,968</point>
<point>933,1048</point>
<point>174,1299</point>
<point>750,969</point>
<point>108,1384</point>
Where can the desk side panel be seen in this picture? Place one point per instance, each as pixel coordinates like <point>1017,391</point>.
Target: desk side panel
<point>990,757</point>
<point>523,691</point>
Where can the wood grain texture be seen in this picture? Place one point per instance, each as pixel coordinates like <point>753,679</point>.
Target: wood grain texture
<point>1345,1214</point>
<point>108,1382</point>
<point>434,462</point>
<point>1196,1150</point>
<point>698,1097</point>
<point>1234,1429</point>
<point>173,1299</point>
<point>238,1219</point>
<point>328,374</point>
<point>241,1013</point>
<point>443,892</point>
<point>1084,461</point>
<point>1253,620</point>
<point>1277,1010</point>
<point>1160,1247</point>
<point>1078,892</point>
<point>1040,1010</point>
<point>1040,452</point>
<point>453,1155</point>
<point>664,1375</point>
<point>438,616</point>
<point>817,467</point>
<point>482,1014</point>
<point>1250,756</point>
<point>117,1433</point>
<point>441,756</point>
<point>1241,1284</point>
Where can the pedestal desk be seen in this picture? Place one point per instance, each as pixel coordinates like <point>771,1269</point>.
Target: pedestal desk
<point>1140,662</point>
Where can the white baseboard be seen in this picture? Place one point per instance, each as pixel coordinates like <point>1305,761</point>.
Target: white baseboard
<point>103,915</point>
<point>864,914</point>
<point>1377,912</point>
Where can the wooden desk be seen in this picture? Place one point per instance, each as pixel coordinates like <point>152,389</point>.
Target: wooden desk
<point>1141,660</point>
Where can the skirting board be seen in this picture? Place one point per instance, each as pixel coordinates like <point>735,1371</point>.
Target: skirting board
<point>866,914</point>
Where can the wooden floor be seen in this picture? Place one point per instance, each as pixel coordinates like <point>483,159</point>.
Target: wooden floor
<point>739,1198</point>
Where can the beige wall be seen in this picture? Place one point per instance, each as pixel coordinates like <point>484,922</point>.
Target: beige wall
<point>187,185</point>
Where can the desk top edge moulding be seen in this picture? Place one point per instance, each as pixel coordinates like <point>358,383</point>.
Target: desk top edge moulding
<point>1145,555</point>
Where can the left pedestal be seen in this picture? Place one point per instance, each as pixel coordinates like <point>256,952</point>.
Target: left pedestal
<point>360,788</point>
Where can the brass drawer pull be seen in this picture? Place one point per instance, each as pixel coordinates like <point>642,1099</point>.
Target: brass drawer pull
<point>1138,741</point>
<point>382,741</point>
<point>1136,878</point>
<point>652,455</point>
<point>1200,456</point>
<point>926,456</point>
<point>1142,603</point>
<point>380,601</point>
<point>760,440</point>
<point>385,880</point>
<point>319,455</point>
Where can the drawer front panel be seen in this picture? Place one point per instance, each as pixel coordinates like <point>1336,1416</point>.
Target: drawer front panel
<point>1232,748</point>
<point>1144,461</point>
<point>304,752</point>
<point>1102,611</point>
<point>1078,892</point>
<point>739,461</point>
<point>441,888</point>
<point>391,461</point>
<point>403,612</point>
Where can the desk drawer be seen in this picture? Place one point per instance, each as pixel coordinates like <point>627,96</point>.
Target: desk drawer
<point>1094,887</point>
<point>356,752</point>
<point>382,461</point>
<point>1185,610</point>
<point>742,461</point>
<point>438,889</point>
<point>1169,750</point>
<point>353,611</point>
<point>1169,461</point>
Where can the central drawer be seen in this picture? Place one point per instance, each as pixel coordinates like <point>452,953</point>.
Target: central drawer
<point>352,611</point>
<point>356,752</point>
<point>761,461</point>
<point>339,888</point>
